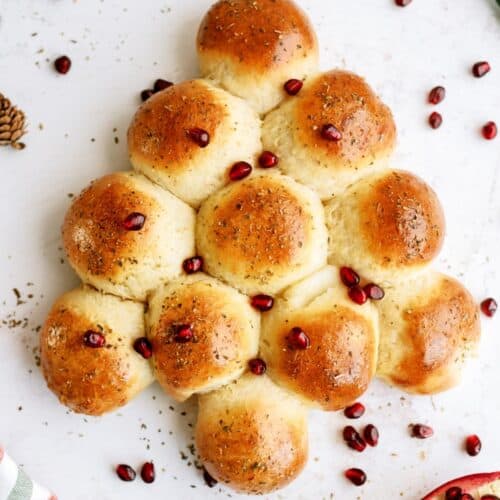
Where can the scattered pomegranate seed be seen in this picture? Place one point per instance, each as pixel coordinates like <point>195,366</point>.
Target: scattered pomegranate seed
<point>371,435</point>
<point>490,130</point>
<point>331,133</point>
<point>125,472</point>
<point>240,170</point>
<point>268,159</point>
<point>349,277</point>
<point>357,295</point>
<point>489,307</point>
<point>146,94</point>
<point>257,366</point>
<point>262,302</point>
<point>161,84</point>
<point>356,410</point>
<point>298,339</point>
<point>94,339</point>
<point>421,431</point>
<point>209,480</point>
<point>473,445</point>
<point>453,493</point>
<point>143,347</point>
<point>402,3</point>
<point>62,64</point>
<point>466,496</point>
<point>435,120</point>
<point>356,476</point>
<point>437,95</point>
<point>353,439</point>
<point>480,69</point>
<point>134,221</point>
<point>183,333</point>
<point>148,472</point>
<point>192,265</point>
<point>199,136</point>
<point>293,86</point>
<point>490,497</point>
<point>374,292</point>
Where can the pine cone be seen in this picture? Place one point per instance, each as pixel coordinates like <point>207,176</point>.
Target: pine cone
<point>12,124</point>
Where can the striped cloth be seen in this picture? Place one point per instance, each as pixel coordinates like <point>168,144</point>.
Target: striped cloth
<point>16,485</point>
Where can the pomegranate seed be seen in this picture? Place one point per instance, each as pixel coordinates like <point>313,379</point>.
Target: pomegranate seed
<point>257,366</point>
<point>453,493</point>
<point>143,347</point>
<point>148,472</point>
<point>125,472</point>
<point>94,339</point>
<point>199,136</point>
<point>371,435</point>
<point>353,439</point>
<point>437,95</point>
<point>356,476</point>
<point>134,221</point>
<point>357,295</point>
<point>62,64</point>
<point>298,339</point>
<point>402,3</point>
<point>211,482</point>
<point>240,170</point>
<point>480,69</point>
<point>268,159</point>
<point>293,86</point>
<point>473,445</point>
<point>192,265</point>
<point>146,94</point>
<point>262,302</point>
<point>349,277</point>
<point>490,497</point>
<point>331,133</point>
<point>161,84</point>
<point>374,292</point>
<point>490,131</point>
<point>183,333</point>
<point>421,431</point>
<point>466,496</point>
<point>357,410</point>
<point>489,307</point>
<point>435,120</point>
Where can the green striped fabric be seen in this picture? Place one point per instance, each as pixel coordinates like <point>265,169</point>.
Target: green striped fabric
<point>23,489</point>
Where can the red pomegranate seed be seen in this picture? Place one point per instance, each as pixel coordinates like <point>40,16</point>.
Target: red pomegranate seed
<point>148,472</point>
<point>435,120</point>
<point>374,292</point>
<point>480,69</point>
<point>199,136</point>
<point>146,94</point>
<point>161,84</point>
<point>183,333</point>
<point>268,159</point>
<point>371,435</point>
<point>298,339</point>
<point>357,295</point>
<point>490,497</point>
<point>349,277</point>
<point>489,307</point>
<point>437,95</point>
<point>466,496</point>
<point>125,472</point>
<point>94,339</point>
<point>490,130</point>
<point>331,133</point>
<point>62,64</point>
<point>356,410</point>
<point>453,493</point>
<point>143,347</point>
<point>192,265</point>
<point>473,445</point>
<point>402,3</point>
<point>209,480</point>
<point>421,431</point>
<point>134,221</point>
<point>353,439</point>
<point>240,170</point>
<point>262,302</point>
<point>356,476</point>
<point>257,366</point>
<point>293,86</point>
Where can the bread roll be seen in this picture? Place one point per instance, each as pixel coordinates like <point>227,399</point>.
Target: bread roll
<point>161,147</point>
<point>125,235</point>
<point>252,47</point>
<point>225,331</point>
<point>251,435</point>
<point>429,327</point>
<point>262,234</point>
<point>94,380</point>
<point>342,357</point>
<point>385,226</point>
<point>342,99</point>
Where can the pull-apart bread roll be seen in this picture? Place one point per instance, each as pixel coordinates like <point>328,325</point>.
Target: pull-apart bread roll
<point>332,133</point>
<point>87,354</point>
<point>125,235</point>
<point>203,334</point>
<point>429,326</point>
<point>320,345</point>
<point>252,47</point>
<point>251,435</point>
<point>385,226</point>
<point>187,137</point>
<point>262,234</point>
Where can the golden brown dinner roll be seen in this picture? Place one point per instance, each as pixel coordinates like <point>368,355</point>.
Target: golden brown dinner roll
<point>319,344</point>
<point>262,234</point>
<point>203,334</point>
<point>251,435</point>
<point>125,235</point>
<point>87,354</point>
<point>187,137</point>
<point>252,47</point>
<point>333,132</point>
<point>385,226</point>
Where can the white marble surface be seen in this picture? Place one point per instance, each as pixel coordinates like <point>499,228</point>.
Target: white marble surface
<point>119,47</point>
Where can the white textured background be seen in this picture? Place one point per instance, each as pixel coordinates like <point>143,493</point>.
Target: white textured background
<point>119,47</point>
